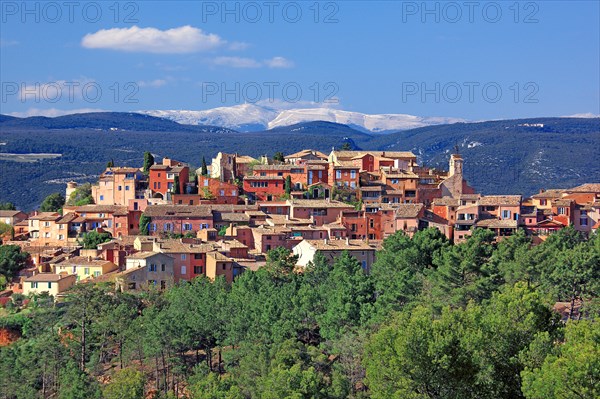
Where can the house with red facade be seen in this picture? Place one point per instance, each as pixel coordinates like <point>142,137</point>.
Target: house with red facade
<point>264,188</point>
<point>162,177</point>
<point>178,219</point>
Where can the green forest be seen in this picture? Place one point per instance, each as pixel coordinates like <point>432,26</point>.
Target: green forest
<point>431,320</point>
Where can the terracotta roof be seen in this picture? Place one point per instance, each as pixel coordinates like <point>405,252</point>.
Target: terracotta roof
<point>264,178</point>
<point>318,203</point>
<point>231,217</point>
<point>232,208</point>
<point>84,261</point>
<point>142,255</point>
<point>46,216</point>
<point>122,169</point>
<point>562,202</point>
<point>497,223</point>
<point>387,154</point>
<point>115,209</point>
<point>303,153</point>
<point>283,166</point>
<point>44,277</point>
<point>548,194</point>
<point>176,246</point>
<point>500,200</point>
<point>8,214</point>
<point>446,201</point>
<point>341,245</point>
<point>180,211</point>
<point>586,188</point>
<point>219,256</point>
<point>408,210</point>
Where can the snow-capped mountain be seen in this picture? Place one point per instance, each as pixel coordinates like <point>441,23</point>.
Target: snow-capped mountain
<point>244,117</point>
<point>252,117</point>
<point>365,122</point>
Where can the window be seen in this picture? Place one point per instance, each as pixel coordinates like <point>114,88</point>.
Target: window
<point>152,226</point>
<point>168,227</point>
<point>61,237</point>
<point>170,176</point>
<point>505,214</point>
<point>562,211</point>
<point>352,184</point>
<point>233,193</point>
<point>183,257</point>
<point>34,285</point>
<point>126,188</point>
<point>222,193</point>
<point>205,182</point>
<point>364,265</point>
<point>102,198</point>
<point>152,267</point>
<point>86,271</point>
<point>197,269</point>
<point>223,267</point>
<point>163,267</point>
<point>198,256</point>
<point>353,174</point>
<point>338,174</point>
<point>120,188</point>
<point>96,273</point>
<point>183,270</point>
<point>187,226</point>
<point>543,202</point>
<point>47,224</point>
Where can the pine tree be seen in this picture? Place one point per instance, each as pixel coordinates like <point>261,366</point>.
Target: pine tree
<point>204,170</point>
<point>148,162</point>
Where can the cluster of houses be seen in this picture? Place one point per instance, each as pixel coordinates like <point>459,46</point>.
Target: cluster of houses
<point>224,221</point>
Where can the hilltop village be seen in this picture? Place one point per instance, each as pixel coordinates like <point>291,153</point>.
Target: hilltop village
<point>163,222</point>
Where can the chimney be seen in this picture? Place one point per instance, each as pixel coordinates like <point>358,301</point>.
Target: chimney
<point>348,241</point>
<point>325,241</point>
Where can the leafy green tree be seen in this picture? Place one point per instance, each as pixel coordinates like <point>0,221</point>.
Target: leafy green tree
<point>144,225</point>
<point>279,157</point>
<point>280,262</point>
<point>92,239</point>
<point>126,384</point>
<point>204,168</point>
<point>288,185</point>
<point>573,370</point>
<point>148,162</point>
<point>75,384</point>
<point>346,146</point>
<point>12,260</point>
<point>7,206</point>
<point>110,164</point>
<point>81,196</point>
<point>53,203</point>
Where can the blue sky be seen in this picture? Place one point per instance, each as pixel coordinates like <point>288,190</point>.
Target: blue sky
<point>478,60</point>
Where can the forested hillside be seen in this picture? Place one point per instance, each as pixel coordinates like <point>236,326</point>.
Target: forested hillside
<point>432,320</point>
<point>501,157</point>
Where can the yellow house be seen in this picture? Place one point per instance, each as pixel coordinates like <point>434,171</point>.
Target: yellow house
<point>84,267</point>
<point>53,284</point>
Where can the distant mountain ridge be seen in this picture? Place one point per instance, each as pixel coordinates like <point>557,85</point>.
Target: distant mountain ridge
<point>252,117</point>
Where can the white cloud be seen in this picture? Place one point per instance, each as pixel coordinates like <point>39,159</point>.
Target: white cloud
<point>7,43</point>
<point>243,62</point>
<point>279,62</point>
<point>237,62</point>
<point>583,115</point>
<point>55,91</point>
<point>53,112</point>
<point>237,46</point>
<point>185,39</point>
<point>156,83</point>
